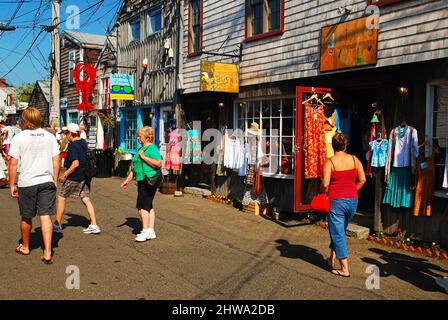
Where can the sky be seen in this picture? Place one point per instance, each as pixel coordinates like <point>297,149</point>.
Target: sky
<point>14,44</point>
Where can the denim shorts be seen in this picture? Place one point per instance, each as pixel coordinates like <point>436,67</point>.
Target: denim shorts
<point>39,199</point>
<point>341,213</point>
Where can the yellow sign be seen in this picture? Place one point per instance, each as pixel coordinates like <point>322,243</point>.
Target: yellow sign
<point>121,96</point>
<point>219,77</point>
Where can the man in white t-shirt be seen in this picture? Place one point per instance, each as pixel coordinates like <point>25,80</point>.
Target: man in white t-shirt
<point>38,154</point>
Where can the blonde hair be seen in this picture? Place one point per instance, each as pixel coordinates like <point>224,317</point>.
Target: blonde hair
<point>147,132</point>
<point>32,118</point>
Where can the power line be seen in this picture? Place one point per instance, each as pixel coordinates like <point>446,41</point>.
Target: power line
<point>19,6</point>
<point>26,53</point>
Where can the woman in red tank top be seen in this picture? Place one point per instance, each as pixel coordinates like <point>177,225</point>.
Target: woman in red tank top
<point>343,177</point>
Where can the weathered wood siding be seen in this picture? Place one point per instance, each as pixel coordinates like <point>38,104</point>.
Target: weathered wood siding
<point>38,101</point>
<point>411,31</point>
<point>157,83</point>
<point>68,90</point>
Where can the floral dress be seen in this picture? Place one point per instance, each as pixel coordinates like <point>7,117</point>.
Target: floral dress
<point>314,146</point>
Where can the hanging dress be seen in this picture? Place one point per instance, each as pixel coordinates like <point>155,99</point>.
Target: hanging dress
<point>315,146</point>
<point>193,152</point>
<point>424,191</point>
<point>173,152</point>
<point>403,149</point>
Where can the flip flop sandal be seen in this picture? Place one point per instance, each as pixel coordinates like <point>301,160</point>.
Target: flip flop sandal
<point>338,273</point>
<point>50,261</point>
<point>20,251</point>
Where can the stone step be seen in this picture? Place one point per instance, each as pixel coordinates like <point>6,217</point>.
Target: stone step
<point>197,191</point>
<point>357,232</point>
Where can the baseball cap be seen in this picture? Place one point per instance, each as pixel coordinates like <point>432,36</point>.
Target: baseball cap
<point>72,127</point>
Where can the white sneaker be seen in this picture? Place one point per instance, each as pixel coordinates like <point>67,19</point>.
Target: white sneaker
<point>152,235</point>
<point>142,236</point>
<point>92,229</point>
<point>145,235</point>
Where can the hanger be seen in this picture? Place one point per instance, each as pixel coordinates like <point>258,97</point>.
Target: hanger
<point>314,96</point>
<point>328,95</point>
<point>379,138</point>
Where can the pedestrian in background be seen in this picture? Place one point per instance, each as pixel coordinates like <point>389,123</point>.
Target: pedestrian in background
<point>76,181</point>
<point>63,145</point>
<point>343,177</point>
<point>145,163</point>
<point>38,154</point>
<point>83,134</point>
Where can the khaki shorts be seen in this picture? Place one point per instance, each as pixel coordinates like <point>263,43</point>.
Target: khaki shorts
<point>75,189</point>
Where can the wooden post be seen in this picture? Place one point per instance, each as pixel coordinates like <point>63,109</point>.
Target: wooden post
<point>378,225</point>
<point>55,77</point>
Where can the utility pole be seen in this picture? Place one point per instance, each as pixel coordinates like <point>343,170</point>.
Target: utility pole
<point>56,59</point>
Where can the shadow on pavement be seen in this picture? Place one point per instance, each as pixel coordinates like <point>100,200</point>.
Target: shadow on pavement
<point>134,223</point>
<point>75,220</point>
<point>416,271</point>
<point>36,241</point>
<point>297,251</point>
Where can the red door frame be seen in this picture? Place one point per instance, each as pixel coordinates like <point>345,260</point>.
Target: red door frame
<point>298,155</point>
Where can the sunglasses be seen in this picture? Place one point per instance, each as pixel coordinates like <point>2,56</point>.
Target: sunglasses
<point>126,89</point>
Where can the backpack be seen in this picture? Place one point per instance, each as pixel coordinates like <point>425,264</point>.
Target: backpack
<point>92,168</point>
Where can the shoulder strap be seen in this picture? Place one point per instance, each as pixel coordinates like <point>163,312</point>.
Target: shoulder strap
<point>332,164</point>
<point>354,162</point>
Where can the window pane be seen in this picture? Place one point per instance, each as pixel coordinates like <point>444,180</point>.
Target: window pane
<point>130,138</point>
<point>288,108</point>
<point>288,126</point>
<point>275,126</point>
<point>266,109</point>
<point>154,20</point>
<point>276,108</point>
<point>266,126</point>
<point>257,17</point>
<point>274,14</point>
<point>257,111</point>
<point>134,29</point>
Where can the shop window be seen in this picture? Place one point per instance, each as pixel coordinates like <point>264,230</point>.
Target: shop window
<point>71,65</point>
<point>73,117</point>
<point>130,129</point>
<point>195,27</point>
<point>264,18</point>
<point>134,30</point>
<point>437,131</point>
<point>154,20</point>
<point>276,118</point>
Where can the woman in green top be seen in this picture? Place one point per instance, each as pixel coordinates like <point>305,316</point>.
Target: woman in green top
<point>145,163</point>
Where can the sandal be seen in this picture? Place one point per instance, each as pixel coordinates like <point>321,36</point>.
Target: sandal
<point>49,261</point>
<point>19,250</point>
<point>338,273</point>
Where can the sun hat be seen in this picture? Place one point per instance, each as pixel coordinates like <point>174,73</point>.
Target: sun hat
<point>72,127</point>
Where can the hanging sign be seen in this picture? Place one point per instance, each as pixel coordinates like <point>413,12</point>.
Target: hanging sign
<point>348,45</point>
<point>219,77</point>
<point>84,75</point>
<point>10,109</point>
<point>121,86</point>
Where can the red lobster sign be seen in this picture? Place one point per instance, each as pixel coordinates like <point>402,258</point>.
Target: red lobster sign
<point>84,76</point>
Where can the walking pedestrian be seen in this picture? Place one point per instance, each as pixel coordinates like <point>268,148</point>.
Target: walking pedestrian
<point>145,163</point>
<point>76,181</point>
<point>38,154</point>
<point>83,134</point>
<point>63,145</point>
<point>343,177</point>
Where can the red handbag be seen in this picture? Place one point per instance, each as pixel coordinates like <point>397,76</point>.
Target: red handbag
<point>321,203</point>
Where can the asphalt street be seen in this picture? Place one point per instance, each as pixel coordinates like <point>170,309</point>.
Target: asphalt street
<point>203,250</point>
